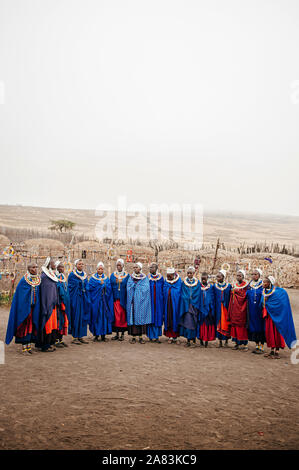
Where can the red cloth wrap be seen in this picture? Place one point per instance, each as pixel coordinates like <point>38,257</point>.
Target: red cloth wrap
<point>273,337</point>
<point>25,328</point>
<point>239,332</point>
<point>120,316</point>
<point>170,334</point>
<point>237,310</point>
<point>207,332</point>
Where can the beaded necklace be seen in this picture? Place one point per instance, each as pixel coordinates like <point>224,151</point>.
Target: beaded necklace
<point>97,278</point>
<point>138,276</point>
<point>267,294</point>
<point>255,285</point>
<point>222,286</point>
<point>239,286</point>
<point>32,279</point>
<point>174,280</point>
<point>61,277</point>
<point>78,275</point>
<point>193,280</point>
<point>205,288</point>
<point>119,277</point>
<point>154,277</point>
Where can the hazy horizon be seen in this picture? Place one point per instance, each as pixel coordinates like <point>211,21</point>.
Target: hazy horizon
<point>166,101</point>
<point>223,212</point>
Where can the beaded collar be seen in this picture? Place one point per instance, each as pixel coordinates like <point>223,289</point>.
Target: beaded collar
<point>237,286</point>
<point>174,280</point>
<point>154,277</point>
<point>256,285</point>
<point>120,275</point>
<point>78,275</point>
<point>267,294</point>
<point>220,286</point>
<point>50,274</point>
<point>32,279</point>
<point>193,282</point>
<point>97,278</point>
<point>61,276</point>
<point>138,276</point>
<point>205,287</point>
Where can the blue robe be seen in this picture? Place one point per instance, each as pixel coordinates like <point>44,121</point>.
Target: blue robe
<point>48,302</point>
<point>221,297</point>
<point>155,329</point>
<point>22,304</point>
<point>175,293</point>
<point>279,308</point>
<point>138,302</point>
<point>63,297</point>
<point>101,303</point>
<point>119,291</point>
<point>206,307</point>
<point>256,330</point>
<point>80,305</point>
<point>189,310</point>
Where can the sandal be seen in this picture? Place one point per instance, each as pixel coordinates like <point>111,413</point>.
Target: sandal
<point>170,341</point>
<point>141,341</point>
<point>270,355</point>
<point>50,349</point>
<point>76,341</point>
<point>133,340</point>
<point>121,338</point>
<point>115,338</point>
<point>83,341</point>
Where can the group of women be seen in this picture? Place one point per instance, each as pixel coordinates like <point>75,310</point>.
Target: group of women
<point>49,306</point>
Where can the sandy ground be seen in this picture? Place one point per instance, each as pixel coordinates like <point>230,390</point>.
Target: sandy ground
<point>123,396</point>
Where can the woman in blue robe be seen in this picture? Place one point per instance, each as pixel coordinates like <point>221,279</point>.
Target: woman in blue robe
<point>156,280</point>
<point>172,298</point>
<point>206,325</point>
<point>118,281</point>
<point>23,322</point>
<point>63,308</point>
<point>189,307</point>
<point>79,301</point>
<point>222,297</point>
<point>101,304</point>
<point>138,304</point>
<point>48,328</point>
<point>256,329</point>
<point>279,323</point>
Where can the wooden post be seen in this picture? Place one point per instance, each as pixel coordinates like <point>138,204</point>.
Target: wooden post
<point>215,257</point>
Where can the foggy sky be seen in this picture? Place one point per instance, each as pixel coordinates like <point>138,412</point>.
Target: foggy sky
<point>162,101</point>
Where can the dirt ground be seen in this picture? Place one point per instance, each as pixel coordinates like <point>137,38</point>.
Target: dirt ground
<point>130,396</point>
